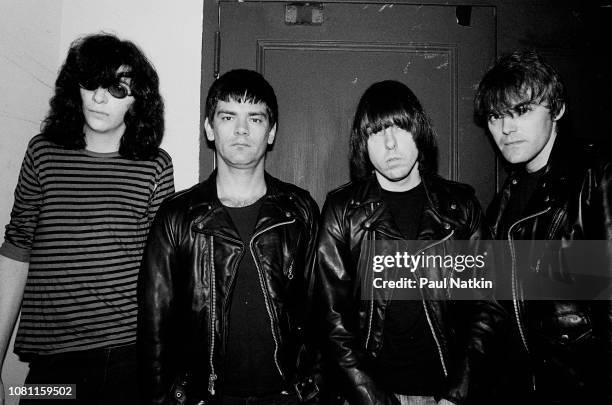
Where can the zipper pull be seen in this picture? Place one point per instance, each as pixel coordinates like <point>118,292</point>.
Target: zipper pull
<point>211,383</point>
<point>290,271</point>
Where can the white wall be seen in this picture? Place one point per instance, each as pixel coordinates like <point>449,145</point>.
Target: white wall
<point>29,44</point>
<point>34,39</point>
<point>29,56</point>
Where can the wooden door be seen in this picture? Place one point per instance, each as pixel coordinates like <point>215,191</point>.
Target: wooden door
<point>320,70</point>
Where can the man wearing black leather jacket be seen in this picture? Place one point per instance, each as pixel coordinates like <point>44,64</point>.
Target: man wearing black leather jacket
<point>226,278</point>
<point>559,346</point>
<point>424,348</point>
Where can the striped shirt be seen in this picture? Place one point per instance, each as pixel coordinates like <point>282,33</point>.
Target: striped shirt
<point>81,219</point>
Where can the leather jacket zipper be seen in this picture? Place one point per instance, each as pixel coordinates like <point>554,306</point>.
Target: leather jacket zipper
<point>371,312</point>
<point>427,315</point>
<point>264,291</point>
<point>514,276</point>
<point>229,292</point>
<point>515,282</point>
<point>213,304</point>
<point>213,376</point>
<point>290,271</point>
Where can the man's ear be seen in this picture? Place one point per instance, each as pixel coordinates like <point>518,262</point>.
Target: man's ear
<point>272,135</point>
<point>210,135</point>
<point>560,113</point>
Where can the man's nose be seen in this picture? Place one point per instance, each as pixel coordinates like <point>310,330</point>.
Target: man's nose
<point>242,126</point>
<point>390,141</point>
<point>100,95</point>
<point>508,124</point>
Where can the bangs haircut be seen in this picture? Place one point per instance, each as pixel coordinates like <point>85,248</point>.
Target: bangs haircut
<point>383,105</point>
<point>381,112</point>
<point>242,86</point>
<point>522,77</point>
<point>101,60</point>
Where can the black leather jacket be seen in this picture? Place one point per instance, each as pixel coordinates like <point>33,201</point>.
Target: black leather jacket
<point>353,218</point>
<point>193,246</point>
<point>567,343</point>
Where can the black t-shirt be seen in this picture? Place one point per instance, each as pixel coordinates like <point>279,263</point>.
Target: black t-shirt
<point>249,360</point>
<point>406,208</point>
<point>409,362</point>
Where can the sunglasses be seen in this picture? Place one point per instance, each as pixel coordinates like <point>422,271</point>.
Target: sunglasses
<point>117,89</point>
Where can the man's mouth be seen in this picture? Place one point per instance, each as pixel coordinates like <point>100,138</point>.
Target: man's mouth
<point>512,143</point>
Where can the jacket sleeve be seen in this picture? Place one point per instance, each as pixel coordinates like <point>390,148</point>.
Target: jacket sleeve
<point>484,317</point>
<point>155,311</point>
<point>309,370</point>
<point>339,305</point>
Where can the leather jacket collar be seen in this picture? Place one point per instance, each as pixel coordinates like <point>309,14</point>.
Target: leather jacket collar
<point>211,218</point>
<point>564,167</point>
<point>440,212</point>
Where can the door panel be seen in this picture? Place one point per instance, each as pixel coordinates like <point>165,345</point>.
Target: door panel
<point>320,71</point>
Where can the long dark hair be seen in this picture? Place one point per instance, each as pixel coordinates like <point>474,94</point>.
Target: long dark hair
<point>97,58</point>
<point>385,104</point>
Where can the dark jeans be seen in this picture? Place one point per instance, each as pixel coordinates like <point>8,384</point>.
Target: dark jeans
<point>102,376</point>
<point>274,399</point>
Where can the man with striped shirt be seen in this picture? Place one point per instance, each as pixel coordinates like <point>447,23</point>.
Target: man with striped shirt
<point>88,190</point>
